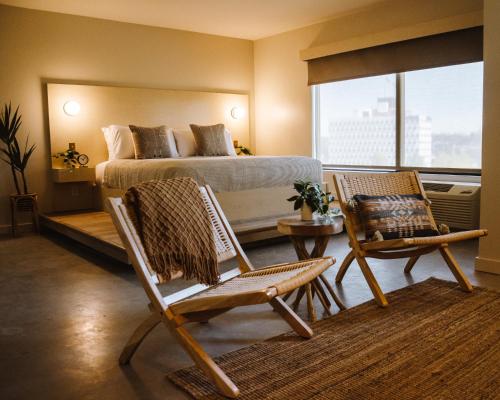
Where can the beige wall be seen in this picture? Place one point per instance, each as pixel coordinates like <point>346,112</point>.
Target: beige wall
<point>282,98</point>
<point>40,47</point>
<point>37,47</point>
<point>489,249</point>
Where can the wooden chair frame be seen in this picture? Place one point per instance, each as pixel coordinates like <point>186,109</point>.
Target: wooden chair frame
<point>186,306</point>
<point>376,184</point>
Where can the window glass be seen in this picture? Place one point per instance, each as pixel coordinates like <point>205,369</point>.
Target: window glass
<point>357,122</point>
<point>443,117</point>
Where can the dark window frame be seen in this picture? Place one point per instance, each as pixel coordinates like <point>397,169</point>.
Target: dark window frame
<point>399,142</point>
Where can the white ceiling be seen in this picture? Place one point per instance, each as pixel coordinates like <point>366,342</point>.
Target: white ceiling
<point>247,19</point>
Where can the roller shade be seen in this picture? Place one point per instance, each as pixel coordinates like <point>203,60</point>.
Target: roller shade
<point>450,48</point>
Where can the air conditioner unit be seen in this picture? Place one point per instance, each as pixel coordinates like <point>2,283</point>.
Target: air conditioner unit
<point>454,205</point>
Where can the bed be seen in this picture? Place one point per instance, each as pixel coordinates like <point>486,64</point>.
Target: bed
<point>252,190</point>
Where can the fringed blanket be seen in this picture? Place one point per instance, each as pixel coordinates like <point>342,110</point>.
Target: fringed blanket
<point>175,228</point>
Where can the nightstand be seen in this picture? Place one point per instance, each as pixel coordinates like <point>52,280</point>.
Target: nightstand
<point>73,188</point>
<point>65,175</point>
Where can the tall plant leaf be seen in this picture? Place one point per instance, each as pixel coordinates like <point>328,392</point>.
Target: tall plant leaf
<point>9,124</point>
<point>8,160</point>
<point>27,154</point>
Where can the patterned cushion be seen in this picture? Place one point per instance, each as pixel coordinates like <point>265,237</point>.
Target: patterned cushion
<point>397,216</point>
<point>210,140</point>
<point>155,142</point>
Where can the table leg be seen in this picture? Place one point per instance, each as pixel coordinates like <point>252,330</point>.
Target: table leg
<point>316,285</point>
<point>299,245</point>
<point>300,293</point>
<point>310,304</point>
<point>287,296</point>
<point>320,245</point>
<point>322,291</point>
<point>332,293</point>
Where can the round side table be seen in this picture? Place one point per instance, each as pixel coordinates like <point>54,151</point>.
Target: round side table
<point>298,231</point>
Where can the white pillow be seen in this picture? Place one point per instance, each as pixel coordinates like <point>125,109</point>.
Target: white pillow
<point>119,141</point>
<point>171,143</point>
<point>229,143</point>
<point>186,146</point>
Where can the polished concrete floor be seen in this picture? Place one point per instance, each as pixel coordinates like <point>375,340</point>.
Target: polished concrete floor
<point>65,313</point>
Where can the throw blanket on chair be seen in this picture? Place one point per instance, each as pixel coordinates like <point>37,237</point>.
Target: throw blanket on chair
<point>175,228</point>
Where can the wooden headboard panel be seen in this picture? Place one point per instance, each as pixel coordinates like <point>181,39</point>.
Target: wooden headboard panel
<point>104,105</point>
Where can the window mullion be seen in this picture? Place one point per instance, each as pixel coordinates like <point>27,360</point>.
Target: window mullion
<point>400,118</point>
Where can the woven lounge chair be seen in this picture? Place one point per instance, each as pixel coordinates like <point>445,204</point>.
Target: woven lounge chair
<point>239,287</point>
<point>380,184</point>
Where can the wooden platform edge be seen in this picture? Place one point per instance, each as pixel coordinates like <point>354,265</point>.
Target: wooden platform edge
<point>111,250</point>
<point>81,234</point>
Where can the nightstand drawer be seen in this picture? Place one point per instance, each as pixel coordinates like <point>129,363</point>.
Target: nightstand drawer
<point>64,175</point>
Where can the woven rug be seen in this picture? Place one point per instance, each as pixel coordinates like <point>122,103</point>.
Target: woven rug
<point>432,342</point>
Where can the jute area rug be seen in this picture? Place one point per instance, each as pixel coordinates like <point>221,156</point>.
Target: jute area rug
<point>432,342</point>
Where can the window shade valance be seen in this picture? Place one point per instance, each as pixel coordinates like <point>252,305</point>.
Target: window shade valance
<point>450,48</point>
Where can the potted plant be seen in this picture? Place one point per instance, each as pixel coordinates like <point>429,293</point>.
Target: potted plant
<point>241,149</point>
<point>310,199</point>
<point>17,159</point>
<point>70,156</point>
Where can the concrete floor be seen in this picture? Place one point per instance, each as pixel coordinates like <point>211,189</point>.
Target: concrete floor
<point>66,312</point>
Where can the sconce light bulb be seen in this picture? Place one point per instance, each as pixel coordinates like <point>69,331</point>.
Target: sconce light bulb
<point>71,108</point>
<point>237,112</point>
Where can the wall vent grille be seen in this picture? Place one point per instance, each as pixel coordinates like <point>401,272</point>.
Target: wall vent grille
<point>454,205</point>
<point>437,187</point>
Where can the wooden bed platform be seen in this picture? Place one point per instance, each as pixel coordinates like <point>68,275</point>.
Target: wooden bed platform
<point>95,229</point>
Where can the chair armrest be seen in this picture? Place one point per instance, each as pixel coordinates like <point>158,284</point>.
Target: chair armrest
<point>402,243</point>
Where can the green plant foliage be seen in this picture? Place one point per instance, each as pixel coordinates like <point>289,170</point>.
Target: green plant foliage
<point>17,158</point>
<point>244,150</point>
<point>70,157</point>
<point>312,195</point>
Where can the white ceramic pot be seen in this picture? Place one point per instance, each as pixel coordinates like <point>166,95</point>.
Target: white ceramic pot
<point>306,213</point>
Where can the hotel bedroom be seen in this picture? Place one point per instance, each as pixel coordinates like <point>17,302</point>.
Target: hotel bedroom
<point>264,200</point>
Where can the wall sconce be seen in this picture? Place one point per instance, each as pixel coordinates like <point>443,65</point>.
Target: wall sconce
<point>71,108</point>
<point>237,112</point>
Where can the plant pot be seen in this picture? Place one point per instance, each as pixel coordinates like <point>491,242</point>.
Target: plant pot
<point>306,213</point>
<point>21,204</point>
<point>24,202</point>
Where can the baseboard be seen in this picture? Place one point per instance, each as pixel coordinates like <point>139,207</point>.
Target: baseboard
<point>487,265</point>
<point>21,228</point>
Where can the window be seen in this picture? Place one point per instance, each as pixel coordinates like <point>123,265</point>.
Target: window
<point>429,119</point>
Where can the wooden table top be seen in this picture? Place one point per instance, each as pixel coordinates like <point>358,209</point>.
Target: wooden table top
<point>296,227</point>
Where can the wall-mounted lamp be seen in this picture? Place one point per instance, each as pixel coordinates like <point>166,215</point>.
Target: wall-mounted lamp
<point>237,112</point>
<point>71,108</point>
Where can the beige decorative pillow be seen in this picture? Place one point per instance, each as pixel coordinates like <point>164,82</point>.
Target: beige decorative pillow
<point>210,140</point>
<point>157,142</point>
<point>184,140</point>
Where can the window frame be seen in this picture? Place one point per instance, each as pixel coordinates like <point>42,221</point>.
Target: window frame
<point>400,117</point>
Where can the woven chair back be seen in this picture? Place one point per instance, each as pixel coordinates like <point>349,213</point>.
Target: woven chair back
<point>349,184</point>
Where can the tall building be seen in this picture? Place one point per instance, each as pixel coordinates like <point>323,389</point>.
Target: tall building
<point>369,138</point>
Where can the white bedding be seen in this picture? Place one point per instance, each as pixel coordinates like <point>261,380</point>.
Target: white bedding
<point>223,174</point>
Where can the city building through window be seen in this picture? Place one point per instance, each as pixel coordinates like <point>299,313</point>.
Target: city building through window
<point>428,119</point>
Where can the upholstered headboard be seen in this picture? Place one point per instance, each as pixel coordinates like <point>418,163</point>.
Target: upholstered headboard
<point>104,105</point>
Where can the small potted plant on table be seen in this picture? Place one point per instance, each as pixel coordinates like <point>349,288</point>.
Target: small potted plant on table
<point>311,199</point>
<point>17,159</point>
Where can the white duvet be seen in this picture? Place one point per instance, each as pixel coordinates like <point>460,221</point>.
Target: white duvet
<point>223,174</point>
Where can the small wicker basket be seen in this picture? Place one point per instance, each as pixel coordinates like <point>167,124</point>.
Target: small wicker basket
<point>22,204</point>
